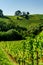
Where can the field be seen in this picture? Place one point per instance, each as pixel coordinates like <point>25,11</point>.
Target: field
<point>25,51</point>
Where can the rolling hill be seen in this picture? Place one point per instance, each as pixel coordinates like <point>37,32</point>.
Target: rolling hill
<point>21,40</point>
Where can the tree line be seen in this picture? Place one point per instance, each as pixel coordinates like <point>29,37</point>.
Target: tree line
<point>17,13</point>
<point>22,14</point>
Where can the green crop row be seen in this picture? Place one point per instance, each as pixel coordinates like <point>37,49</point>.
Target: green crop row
<point>3,58</point>
<point>28,51</point>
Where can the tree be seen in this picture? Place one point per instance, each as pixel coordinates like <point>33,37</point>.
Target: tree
<point>1,13</point>
<point>18,13</point>
<point>24,14</point>
<point>27,13</point>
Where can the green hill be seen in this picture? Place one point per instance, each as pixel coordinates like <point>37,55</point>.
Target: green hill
<point>21,27</point>
<point>21,40</point>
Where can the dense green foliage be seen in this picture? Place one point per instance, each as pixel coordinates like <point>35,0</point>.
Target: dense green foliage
<point>21,52</point>
<point>3,58</point>
<point>28,51</point>
<point>10,35</point>
<point>23,28</point>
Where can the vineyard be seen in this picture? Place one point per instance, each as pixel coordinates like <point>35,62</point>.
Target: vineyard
<point>21,41</point>
<point>25,52</point>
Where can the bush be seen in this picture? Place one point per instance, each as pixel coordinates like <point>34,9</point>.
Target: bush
<point>35,29</point>
<point>6,26</point>
<point>10,35</point>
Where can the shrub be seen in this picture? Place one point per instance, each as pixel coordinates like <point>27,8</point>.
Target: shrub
<point>10,35</point>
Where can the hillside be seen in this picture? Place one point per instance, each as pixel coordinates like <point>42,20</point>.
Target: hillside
<point>21,40</point>
<point>15,52</point>
<point>20,27</point>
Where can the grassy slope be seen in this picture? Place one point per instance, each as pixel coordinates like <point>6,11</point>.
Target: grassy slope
<point>11,45</point>
<point>34,20</point>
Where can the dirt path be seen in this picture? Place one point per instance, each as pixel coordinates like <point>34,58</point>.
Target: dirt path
<point>10,57</point>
